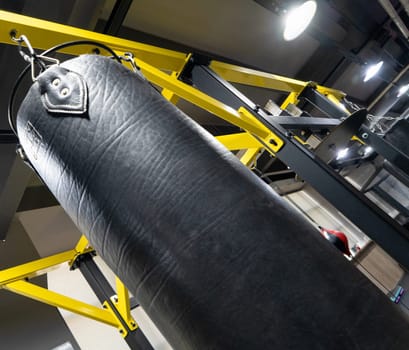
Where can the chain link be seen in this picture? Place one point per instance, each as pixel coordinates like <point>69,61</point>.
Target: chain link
<point>375,122</point>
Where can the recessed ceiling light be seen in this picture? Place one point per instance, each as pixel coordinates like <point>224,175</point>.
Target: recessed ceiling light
<point>372,70</point>
<point>298,19</point>
<point>403,90</point>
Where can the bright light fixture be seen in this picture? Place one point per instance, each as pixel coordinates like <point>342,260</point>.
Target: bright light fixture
<point>342,153</point>
<point>403,90</point>
<point>298,19</point>
<point>368,150</point>
<point>372,70</point>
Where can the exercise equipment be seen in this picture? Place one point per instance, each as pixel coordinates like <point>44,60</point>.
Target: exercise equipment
<point>214,256</point>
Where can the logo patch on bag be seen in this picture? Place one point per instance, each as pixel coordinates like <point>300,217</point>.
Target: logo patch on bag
<point>63,91</point>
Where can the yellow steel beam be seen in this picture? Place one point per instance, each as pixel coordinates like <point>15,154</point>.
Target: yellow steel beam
<point>46,296</point>
<point>200,99</point>
<point>122,304</point>
<point>242,140</point>
<point>247,76</point>
<point>34,268</point>
<point>82,245</point>
<point>271,141</point>
<point>44,34</point>
<point>250,156</point>
<point>292,97</point>
<point>169,94</point>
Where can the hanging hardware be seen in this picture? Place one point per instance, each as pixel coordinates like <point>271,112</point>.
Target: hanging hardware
<point>31,56</point>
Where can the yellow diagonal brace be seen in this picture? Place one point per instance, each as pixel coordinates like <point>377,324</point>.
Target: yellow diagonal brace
<point>43,295</point>
<point>238,141</point>
<point>169,94</point>
<point>199,98</point>
<point>271,141</point>
<point>34,268</point>
<point>121,302</point>
<point>246,76</point>
<point>82,245</point>
<point>44,34</point>
<point>291,98</point>
<point>249,156</point>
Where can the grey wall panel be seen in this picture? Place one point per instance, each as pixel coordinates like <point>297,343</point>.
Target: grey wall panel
<point>24,323</point>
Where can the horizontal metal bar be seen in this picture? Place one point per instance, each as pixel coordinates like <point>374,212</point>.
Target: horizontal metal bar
<point>290,122</point>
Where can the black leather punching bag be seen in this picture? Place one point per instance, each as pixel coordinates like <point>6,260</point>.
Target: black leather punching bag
<point>216,259</point>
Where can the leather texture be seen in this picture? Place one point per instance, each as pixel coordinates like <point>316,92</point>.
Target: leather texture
<point>215,257</point>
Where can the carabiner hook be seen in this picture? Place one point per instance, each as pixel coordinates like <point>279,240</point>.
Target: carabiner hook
<point>129,57</point>
<point>20,40</point>
<point>31,57</point>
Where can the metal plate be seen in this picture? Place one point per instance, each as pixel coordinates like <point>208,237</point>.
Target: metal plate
<point>340,136</point>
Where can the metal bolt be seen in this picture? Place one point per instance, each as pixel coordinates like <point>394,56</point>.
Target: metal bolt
<point>56,82</point>
<point>365,135</point>
<point>65,91</point>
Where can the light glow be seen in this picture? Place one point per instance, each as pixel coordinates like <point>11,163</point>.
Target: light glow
<point>403,90</point>
<point>372,70</point>
<point>298,19</point>
<point>342,153</point>
<point>368,150</point>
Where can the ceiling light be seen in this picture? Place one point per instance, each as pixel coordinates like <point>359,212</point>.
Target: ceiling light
<point>403,90</point>
<point>372,70</point>
<point>368,150</point>
<point>342,153</point>
<point>298,19</point>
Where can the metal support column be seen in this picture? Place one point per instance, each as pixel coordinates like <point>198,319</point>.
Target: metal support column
<point>105,294</point>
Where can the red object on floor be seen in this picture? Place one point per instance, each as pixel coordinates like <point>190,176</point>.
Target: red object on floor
<point>338,239</point>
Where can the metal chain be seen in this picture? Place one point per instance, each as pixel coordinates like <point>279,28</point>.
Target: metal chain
<point>374,120</point>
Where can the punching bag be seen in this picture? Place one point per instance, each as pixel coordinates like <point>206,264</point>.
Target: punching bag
<point>213,255</point>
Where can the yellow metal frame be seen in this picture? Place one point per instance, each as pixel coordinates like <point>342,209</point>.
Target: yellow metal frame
<point>15,279</point>
<point>161,67</point>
